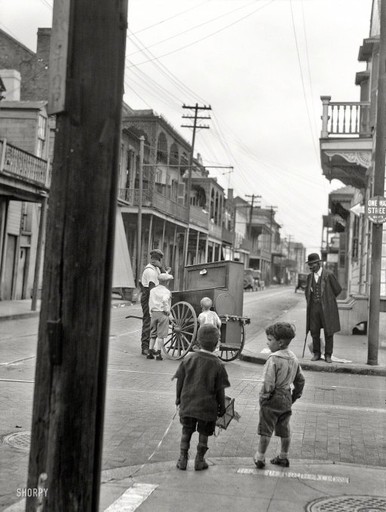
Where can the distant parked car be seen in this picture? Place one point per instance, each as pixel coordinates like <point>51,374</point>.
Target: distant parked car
<point>302,281</point>
<point>252,279</point>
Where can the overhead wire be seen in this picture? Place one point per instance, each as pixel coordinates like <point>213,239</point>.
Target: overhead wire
<point>308,59</point>
<point>47,4</point>
<point>208,35</point>
<point>157,88</point>
<point>143,87</point>
<point>194,27</point>
<point>268,183</point>
<point>302,81</point>
<point>185,89</point>
<point>137,94</point>
<point>171,17</point>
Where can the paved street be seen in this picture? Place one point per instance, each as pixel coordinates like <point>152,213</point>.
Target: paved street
<point>340,419</point>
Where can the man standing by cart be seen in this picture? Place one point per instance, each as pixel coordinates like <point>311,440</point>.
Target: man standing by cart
<point>149,280</point>
<point>321,291</point>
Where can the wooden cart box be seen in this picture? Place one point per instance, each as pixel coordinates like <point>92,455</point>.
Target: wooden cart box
<point>221,281</point>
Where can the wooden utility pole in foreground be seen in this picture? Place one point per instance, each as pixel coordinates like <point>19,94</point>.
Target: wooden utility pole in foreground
<point>70,380</point>
<point>378,190</point>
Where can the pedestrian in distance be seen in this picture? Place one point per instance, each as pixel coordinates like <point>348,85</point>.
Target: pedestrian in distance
<point>200,395</point>
<point>281,371</point>
<point>321,291</point>
<point>160,303</point>
<point>207,315</point>
<point>149,279</point>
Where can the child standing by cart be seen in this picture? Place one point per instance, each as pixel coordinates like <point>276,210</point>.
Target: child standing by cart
<point>281,371</point>
<point>207,316</point>
<point>201,381</point>
<point>159,306</point>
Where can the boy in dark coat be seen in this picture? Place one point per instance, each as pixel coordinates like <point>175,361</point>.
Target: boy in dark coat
<point>321,291</point>
<point>201,381</point>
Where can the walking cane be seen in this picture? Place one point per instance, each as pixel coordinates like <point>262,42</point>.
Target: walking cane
<point>304,347</point>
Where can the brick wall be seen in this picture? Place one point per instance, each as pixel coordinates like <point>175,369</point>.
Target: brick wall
<point>33,67</point>
<point>13,55</point>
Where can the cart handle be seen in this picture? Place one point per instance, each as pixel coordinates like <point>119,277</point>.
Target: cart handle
<point>234,318</point>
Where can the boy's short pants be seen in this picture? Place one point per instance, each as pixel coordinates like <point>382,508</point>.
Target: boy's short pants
<point>206,428</point>
<point>159,324</point>
<point>275,415</point>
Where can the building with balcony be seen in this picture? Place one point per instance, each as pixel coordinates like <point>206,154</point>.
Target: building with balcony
<point>242,241</point>
<point>25,175</point>
<point>168,215</point>
<point>263,233</point>
<point>346,146</point>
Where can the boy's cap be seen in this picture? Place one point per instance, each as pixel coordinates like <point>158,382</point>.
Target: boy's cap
<point>157,253</point>
<point>163,278</point>
<point>208,336</point>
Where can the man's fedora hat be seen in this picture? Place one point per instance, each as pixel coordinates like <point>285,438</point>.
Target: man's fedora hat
<point>313,258</point>
<point>157,253</point>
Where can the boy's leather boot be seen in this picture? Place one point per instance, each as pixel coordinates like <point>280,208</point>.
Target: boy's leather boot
<point>183,460</point>
<point>200,462</point>
<point>184,454</point>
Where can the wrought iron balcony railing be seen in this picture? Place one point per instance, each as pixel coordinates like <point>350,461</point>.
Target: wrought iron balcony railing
<point>153,199</point>
<point>24,165</point>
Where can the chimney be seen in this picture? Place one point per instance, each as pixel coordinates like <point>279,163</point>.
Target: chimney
<point>11,80</point>
<point>43,45</point>
<point>42,63</point>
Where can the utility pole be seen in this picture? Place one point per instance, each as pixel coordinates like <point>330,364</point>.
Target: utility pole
<point>194,127</point>
<point>140,199</point>
<point>253,197</point>
<point>378,190</point>
<point>71,366</point>
<point>272,209</point>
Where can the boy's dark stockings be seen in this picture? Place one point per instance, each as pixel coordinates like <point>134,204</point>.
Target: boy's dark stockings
<point>184,448</point>
<point>202,448</point>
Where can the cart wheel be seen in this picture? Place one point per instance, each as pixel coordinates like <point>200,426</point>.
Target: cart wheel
<point>229,353</point>
<point>182,331</point>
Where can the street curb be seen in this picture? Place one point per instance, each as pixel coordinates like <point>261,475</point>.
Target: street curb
<point>140,470</point>
<point>17,316</point>
<point>379,371</point>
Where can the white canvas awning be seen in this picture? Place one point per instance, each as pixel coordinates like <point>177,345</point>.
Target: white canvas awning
<point>123,273</point>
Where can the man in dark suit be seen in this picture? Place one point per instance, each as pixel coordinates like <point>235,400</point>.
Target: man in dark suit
<point>322,288</point>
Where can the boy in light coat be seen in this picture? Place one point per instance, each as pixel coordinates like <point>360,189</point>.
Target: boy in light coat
<point>159,305</point>
<point>281,371</point>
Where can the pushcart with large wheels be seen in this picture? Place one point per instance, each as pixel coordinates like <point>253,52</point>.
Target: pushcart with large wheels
<point>221,281</point>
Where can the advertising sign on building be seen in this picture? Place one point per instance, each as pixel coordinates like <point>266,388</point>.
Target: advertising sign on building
<point>58,57</point>
<point>376,209</point>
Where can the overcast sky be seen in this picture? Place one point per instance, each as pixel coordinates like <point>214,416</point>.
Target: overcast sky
<point>261,65</point>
